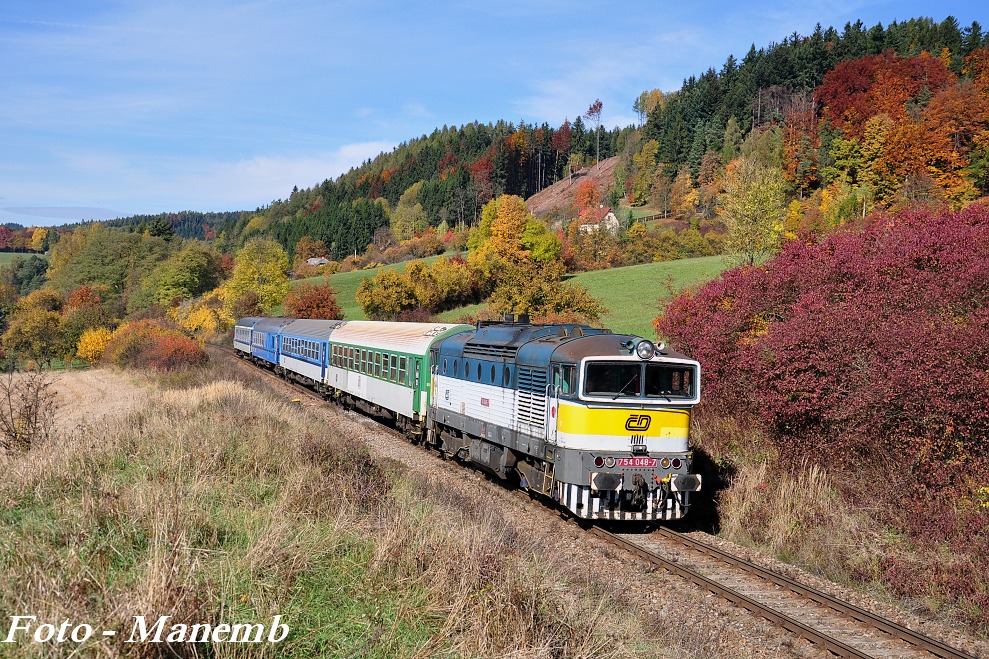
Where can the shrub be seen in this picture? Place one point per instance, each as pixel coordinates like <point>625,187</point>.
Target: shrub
<point>868,342</point>
<point>93,343</point>
<point>868,352</point>
<point>28,401</point>
<point>313,301</point>
<point>149,344</point>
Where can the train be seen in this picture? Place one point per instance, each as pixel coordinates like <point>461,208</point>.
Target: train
<point>592,421</point>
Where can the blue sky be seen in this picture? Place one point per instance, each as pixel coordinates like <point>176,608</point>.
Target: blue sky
<point>116,108</point>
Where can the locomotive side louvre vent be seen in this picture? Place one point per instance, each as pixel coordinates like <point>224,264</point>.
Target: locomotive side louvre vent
<point>532,397</point>
<point>482,351</point>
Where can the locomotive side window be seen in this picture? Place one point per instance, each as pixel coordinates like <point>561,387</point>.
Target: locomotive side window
<point>506,380</point>
<point>493,374</point>
<point>478,371</point>
<point>565,379</point>
<point>445,371</point>
<point>455,364</point>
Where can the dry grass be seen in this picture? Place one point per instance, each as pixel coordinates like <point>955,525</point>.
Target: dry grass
<point>796,514</point>
<point>213,502</point>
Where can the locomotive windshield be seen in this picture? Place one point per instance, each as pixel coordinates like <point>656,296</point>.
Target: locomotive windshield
<point>639,380</point>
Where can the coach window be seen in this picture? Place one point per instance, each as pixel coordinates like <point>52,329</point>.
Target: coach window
<point>377,364</point>
<point>402,362</point>
<point>385,371</point>
<point>363,368</point>
<point>394,367</point>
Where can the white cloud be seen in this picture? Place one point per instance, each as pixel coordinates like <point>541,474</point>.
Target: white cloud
<point>257,181</point>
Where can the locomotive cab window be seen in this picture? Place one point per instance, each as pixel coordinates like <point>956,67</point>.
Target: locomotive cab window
<point>669,381</point>
<point>639,380</point>
<point>613,379</point>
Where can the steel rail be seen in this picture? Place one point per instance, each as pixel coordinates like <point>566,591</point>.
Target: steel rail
<point>916,639</point>
<point>794,626</point>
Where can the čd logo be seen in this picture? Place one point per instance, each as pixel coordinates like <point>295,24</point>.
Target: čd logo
<point>638,423</point>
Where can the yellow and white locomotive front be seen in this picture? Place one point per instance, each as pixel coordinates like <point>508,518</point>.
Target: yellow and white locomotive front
<point>622,420</point>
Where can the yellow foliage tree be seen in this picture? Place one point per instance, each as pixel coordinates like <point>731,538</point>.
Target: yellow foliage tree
<point>38,240</point>
<point>262,268</point>
<point>93,343</point>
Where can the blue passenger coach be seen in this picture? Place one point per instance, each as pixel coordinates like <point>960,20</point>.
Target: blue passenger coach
<point>305,346</point>
<point>265,338</point>
<point>242,334</point>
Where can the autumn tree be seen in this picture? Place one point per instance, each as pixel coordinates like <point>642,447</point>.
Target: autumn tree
<point>588,196</point>
<point>385,296</point>
<point>643,169</point>
<point>683,195</point>
<point>751,207</point>
<point>409,218</point>
<point>92,343</point>
<point>192,271</point>
<point>313,301</point>
<point>308,248</point>
<point>34,333</point>
<point>262,267</point>
<point>39,240</point>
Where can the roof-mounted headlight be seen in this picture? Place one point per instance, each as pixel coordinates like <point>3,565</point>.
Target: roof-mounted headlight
<point>645,349</point>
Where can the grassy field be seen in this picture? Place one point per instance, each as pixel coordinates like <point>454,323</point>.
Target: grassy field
<point>7,257</point>
<point>347,283</point>
<point>632,295</point>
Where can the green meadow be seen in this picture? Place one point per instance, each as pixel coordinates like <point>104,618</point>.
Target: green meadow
<point>7,257</point>
<point>632,295</point>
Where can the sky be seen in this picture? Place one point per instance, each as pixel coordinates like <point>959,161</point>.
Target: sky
<point>110,109</point>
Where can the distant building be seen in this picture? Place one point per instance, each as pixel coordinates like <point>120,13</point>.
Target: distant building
<point>317,260</point>
<point>593,220</point>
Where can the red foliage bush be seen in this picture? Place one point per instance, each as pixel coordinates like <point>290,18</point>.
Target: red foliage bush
<point>313,301</point>
<point>869,343</point>
<point>151,344</point>
<point>868,352</point>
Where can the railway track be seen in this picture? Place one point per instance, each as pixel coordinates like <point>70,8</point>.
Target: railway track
<point>838,627</point>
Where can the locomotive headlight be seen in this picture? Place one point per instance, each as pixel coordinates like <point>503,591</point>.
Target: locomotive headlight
<point>665,463</point>
<point>645,349</point>
<point>599,462</point>
<point>609,462</point>
<point>676,463</point>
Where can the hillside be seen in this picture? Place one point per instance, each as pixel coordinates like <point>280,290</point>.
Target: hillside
<point>561,194</point>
